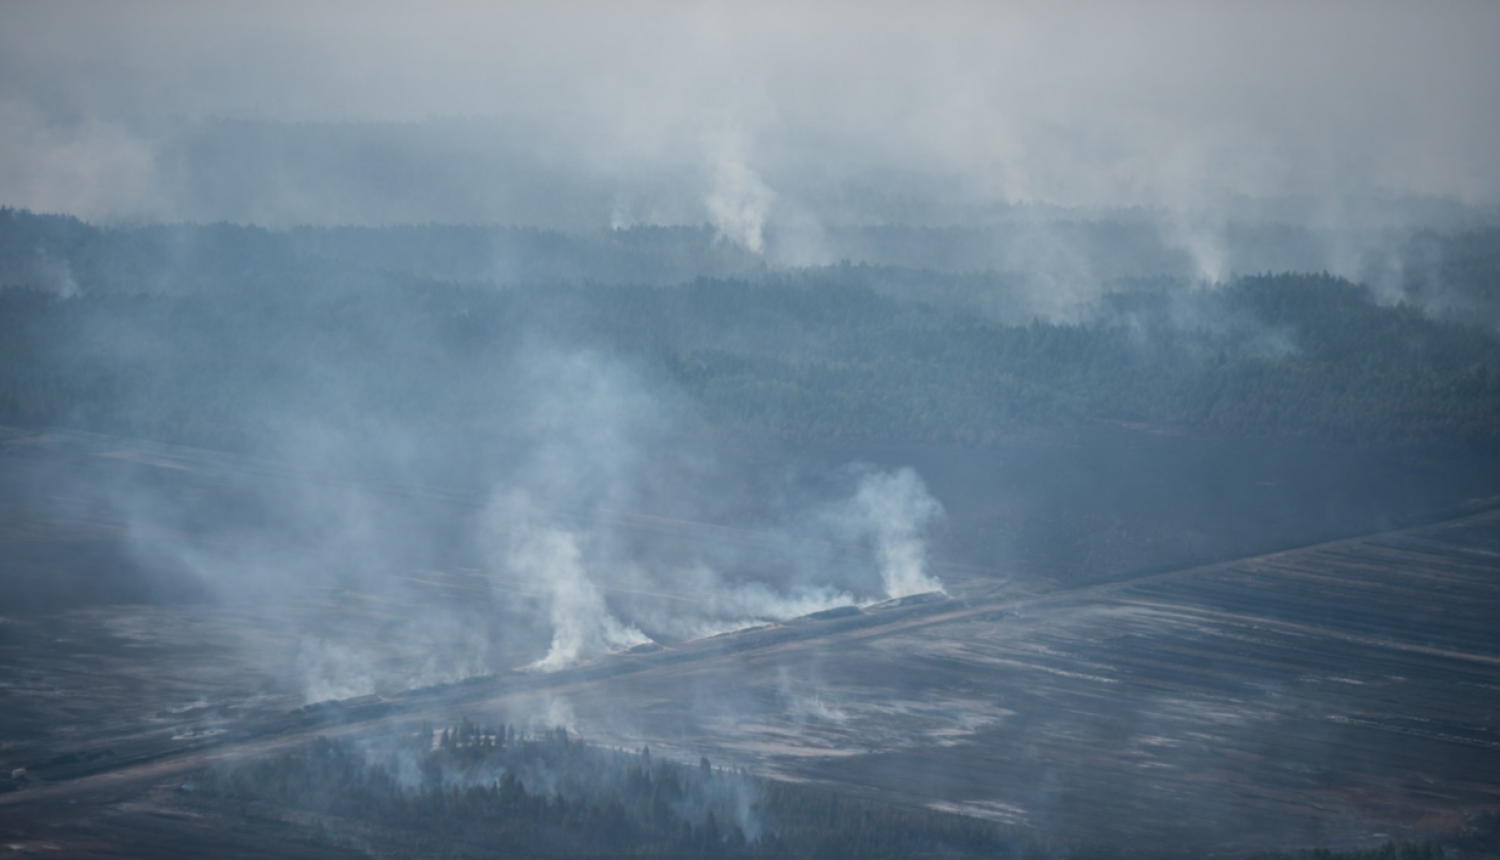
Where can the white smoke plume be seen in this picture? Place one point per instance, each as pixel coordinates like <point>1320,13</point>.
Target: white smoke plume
<point>549,558</point>
<point>728,606</point>
<point>739,205</point>
<point>56,275</point>
<point>559,527</point>
<point>894,513</point>
<point>333,670</point>
<point>888,518</point>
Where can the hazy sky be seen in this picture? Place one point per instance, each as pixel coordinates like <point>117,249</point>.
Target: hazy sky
<point>1172,104</point>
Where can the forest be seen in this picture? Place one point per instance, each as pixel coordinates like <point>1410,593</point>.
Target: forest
<point>247,326</point>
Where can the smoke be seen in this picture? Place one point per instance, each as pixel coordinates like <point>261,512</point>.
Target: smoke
<point>580,512</point>
<point>550,558</point>
<point>896,512</point>
<point>55,275</point>
<point>740,201</point>
<point>89,166</point>
<point>1169,105</point>
<point>892,513</point>
<point>560,525</point>
<point>1204,243</point>
<point>730,606</point>
<point>588,529</point>
<point>780,125</point>
<point>802,699</point>
<point>333,670</point>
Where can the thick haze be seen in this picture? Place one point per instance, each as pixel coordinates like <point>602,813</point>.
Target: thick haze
<point>746,115</point>
<point>799,133</point>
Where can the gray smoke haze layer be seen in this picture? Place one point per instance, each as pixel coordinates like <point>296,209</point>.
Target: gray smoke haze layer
<point>557,525</point>
<point>569,563</point>
<point>740,115</point>
<point>785,128</point>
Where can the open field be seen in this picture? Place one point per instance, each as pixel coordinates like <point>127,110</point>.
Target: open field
<point>1335,694</point>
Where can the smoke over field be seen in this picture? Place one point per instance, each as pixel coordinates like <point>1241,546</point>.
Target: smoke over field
<point>549,522</point>
<point>1011,428</point>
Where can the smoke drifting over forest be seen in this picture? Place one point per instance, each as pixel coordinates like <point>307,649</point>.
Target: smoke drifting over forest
<point>1007,413</point>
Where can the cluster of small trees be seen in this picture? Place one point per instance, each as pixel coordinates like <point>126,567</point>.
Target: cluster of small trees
<point>1389,851</point>
<point>476,789</point>
<point>473,790</point>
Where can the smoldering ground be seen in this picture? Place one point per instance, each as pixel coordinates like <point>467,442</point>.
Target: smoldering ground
<point>545,536</point>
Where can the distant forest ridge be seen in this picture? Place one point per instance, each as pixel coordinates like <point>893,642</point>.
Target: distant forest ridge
<point>213,334</point>
<point>1451,273</point>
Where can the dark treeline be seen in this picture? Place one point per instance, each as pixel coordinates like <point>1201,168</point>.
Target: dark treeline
<point>849,352</point>
<point>1478,840</point>
<point>1388,851</point>
<point>806,357</point>
<point>465,790</point>
<point>1451,274</point>
<point>52,250</point>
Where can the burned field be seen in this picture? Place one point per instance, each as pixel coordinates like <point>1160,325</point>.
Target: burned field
<point>1339,694</point>
<point>1336,694</point>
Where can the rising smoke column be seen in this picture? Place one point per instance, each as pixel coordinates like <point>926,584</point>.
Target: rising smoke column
<point>550,558</point>
<point>739,201</point>
<point>893,512</point>
<point>888,515</point>
<point>601,440</point>
<point>739,205</point>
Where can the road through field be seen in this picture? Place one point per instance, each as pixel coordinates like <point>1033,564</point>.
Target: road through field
<point>438,704</point>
